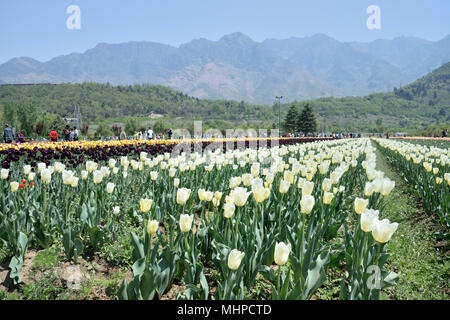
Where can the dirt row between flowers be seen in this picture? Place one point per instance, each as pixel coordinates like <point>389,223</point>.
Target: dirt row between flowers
<point>420,259</point>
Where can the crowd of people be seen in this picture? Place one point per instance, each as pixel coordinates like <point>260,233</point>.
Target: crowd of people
<point>324,134</point>
<point>8,135</point>
<point>69,134</point>
<point>151,135</point>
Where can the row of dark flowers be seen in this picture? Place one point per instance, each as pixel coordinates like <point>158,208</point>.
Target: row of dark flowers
<point>74,156</point>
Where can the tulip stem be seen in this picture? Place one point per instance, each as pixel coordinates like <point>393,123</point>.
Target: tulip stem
<point>279,281</point>
<point>363,249</point>
<point>303,237</point>
<point>255,218</point>
<point>279,215</point>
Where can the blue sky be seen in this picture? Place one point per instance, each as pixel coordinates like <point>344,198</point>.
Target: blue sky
<point>38,28</point>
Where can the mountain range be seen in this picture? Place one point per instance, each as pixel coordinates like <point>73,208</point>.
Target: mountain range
<point>238,68</point>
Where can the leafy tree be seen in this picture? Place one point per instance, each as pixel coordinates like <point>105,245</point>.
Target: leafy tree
<point>116,129</point>
<point>84,129</point>
<point>43,124</point>
<point>103,131</point>
<point>159,126</point>
<point>291,120</point>
<point>10,113</point>
<point>131,126</point>
<point>307,120</point>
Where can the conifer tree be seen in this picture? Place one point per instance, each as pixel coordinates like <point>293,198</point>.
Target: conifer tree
<point>290,122</point>
<point>307,121</point>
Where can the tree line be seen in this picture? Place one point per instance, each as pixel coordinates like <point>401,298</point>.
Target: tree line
<point>300,122</point>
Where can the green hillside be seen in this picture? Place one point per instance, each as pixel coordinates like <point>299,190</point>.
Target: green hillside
<point>420,104</point>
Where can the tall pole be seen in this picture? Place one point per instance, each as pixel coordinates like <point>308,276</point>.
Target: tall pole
<point>279,111</point>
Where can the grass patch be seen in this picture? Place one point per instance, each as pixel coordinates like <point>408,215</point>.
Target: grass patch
<point>46,259</point>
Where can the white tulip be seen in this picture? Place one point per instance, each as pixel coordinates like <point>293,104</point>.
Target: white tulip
<point>281,254</point>
<point>234,259</point>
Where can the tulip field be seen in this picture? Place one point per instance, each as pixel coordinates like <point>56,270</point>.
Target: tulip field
<point>425,168</point>
<point>250,222</point>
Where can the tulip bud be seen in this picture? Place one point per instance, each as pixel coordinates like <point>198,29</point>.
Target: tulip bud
<point>115,170</point>
<point>218,195</point>
<point>145,205</point>
<point>98,176</point>
<point>41,166</point>
<point>153,175</point>
<point>183,195</point>
<point>176,182</point>
<point>307,188</point>
<point>14,186</point>
<point>172,172</point>
<point>307,204</point>
<point>228,209</point>
<point>369,189</point>
<point>269,178</point>
<point>201,194</point>
<point>255,169</point>
<point>289,176</point>
<point>326,184</point>
<point>46,175</point>
<point>26,169</point>
<point>84,174</point>
<point>387,186</point>
<point>234,259</point>
<point>4,173</point>
<point>367,218</point>
<point>31,176</point>
<point>259,192</point>
<point>116,210</point>
<point>327,197</point>
<point>186,222</point>
<point>246,179</point>
<point>281,254</point>
<point>152,226</point>
<point>74,183</point>
<point>234,182</point>
<point>112,163</point>
<point>208,195</point>
<point>239,196</point>
<point>67,177</point>
<point>383,230</point>
<point>284,186</point>
<point>438,180</point>
<point>360,205</point>
<point>110,187</point>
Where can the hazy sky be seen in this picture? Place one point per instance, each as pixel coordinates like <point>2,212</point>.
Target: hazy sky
<point>38,28</point>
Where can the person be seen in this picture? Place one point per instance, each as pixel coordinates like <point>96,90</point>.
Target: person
<point>149,134</point>
<point>20,137</point>
<point>8,135</point>
<point>71,135</point>
<point>170,133</point>
<point>75,134</point>
<point>53,136</point>
<point>444,133</point>
<point>66,133</point>
<point>387,135</point>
